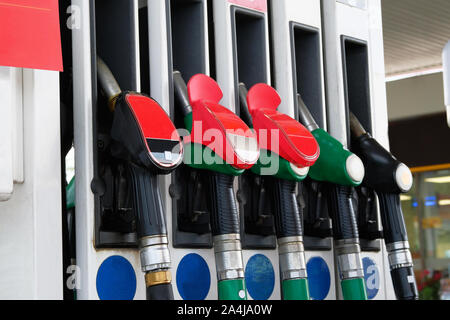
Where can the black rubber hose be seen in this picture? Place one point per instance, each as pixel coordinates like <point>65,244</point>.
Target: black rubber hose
<point>148,206</point>
<point>160,292</point>
<point>404,290</point>
<point>224,217</point>
<point>392,218</point>
<point>288,221</point>
<point>342,212</point>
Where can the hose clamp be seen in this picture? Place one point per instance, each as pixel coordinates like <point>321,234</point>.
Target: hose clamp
<point>291,252</point>
<point>399,255</point>
<point>228,254</point>
<point>154,252</point>
<point>157,278</point>
<point>349,259</point>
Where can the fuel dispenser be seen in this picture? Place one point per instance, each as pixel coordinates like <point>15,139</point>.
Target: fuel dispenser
<point>242,55</point>
<point>107,242</point>
<point>354,78</point>
<point>143,136</point>
<point>388,177</point>
<point>297,64</point>
<point>225,156</point>
<point>292,149</point>
<point>339,170</point>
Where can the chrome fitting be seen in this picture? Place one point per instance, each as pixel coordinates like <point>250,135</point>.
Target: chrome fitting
<point>291,252</point>
<point>399,255</point>
<point>154,252</point>
<point>228,253</point>
<point>349,259</point>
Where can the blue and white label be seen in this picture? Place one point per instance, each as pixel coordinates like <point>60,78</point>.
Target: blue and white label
<point>371,277</point>
<point>116,279</point>
<point>259,277</point>
<point>193,277</point>
<point>319,278</point>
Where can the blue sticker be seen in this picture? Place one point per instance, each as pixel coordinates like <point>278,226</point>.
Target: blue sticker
<point>116,279</point>
<point>319,278</point>
<point>193,278</point>
<point>259,277</point>
<point>371,277</point>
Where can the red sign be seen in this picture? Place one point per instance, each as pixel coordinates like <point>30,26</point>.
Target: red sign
<point>260,5</point>
<point>30,35</point>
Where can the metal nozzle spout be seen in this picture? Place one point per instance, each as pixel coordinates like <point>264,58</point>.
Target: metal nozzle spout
<point>356,127</point>
<point>181,93</point>
<point>245,114</point>
<point>108,82</point>
<point>305,116</point>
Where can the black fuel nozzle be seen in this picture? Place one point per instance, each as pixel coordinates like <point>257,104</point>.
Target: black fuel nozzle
<point>181,93</point>
<point>145,138</point>
<point>388,177</point>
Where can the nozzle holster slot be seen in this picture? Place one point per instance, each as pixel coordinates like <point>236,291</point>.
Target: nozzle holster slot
<point>257,207</point>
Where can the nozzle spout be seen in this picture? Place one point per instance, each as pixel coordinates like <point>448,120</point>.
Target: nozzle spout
<point>108,82</point>
<point>305,116</point>
<point>245,114</point>
<point>356,127</point>
<point>181,93</point>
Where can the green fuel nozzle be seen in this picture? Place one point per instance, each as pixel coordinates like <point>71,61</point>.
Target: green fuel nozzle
<point>388,177</point>
<point>339,170</point>
<point>336,164</point>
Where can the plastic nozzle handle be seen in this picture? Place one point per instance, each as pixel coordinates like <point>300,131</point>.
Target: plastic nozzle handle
<point>181,93</point>
<point>245,113</point>
<point>107,81</point>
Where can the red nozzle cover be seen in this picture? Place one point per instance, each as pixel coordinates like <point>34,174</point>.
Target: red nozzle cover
<point>212,122</point>
<point>295,143</point>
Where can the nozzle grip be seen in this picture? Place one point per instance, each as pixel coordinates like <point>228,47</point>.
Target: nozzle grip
<point>288,222</point>
<point>225,217</point>
<point>394,228</point>
<point>342,212</point>
<point>160,292</point>
<point>147,203</point>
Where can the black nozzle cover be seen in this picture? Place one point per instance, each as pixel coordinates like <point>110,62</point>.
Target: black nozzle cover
<point>181,93</point>
<point>160,292</point>
<point>245,114</point>
<point>380,164</point>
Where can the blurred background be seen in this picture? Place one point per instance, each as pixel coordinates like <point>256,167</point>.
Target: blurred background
<point>415,34</point>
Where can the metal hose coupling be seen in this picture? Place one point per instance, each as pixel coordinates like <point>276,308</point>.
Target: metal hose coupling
<point>154,252</point>
<point>399,255</point>
<point>349,259</point>
<point>291,252</point>
<point>228,254</point>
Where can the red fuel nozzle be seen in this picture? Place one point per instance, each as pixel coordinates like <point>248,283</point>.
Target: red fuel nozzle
<point>217,128</point>
<point>278,132</point>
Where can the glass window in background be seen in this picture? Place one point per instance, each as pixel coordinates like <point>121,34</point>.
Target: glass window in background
<point>427,216</point>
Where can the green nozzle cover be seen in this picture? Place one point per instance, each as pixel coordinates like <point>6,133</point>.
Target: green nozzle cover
<point>232,290</point>
<point>70,194</point>
<point>269,163</point>
<point>331,165</point>
<point>354,289</point>
<point>296,289</point>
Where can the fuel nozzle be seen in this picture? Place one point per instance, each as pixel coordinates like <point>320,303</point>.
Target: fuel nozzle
<point>388,177</point>
<point>339,170</point>
<point>145,138</point>
<point>336,164</point>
